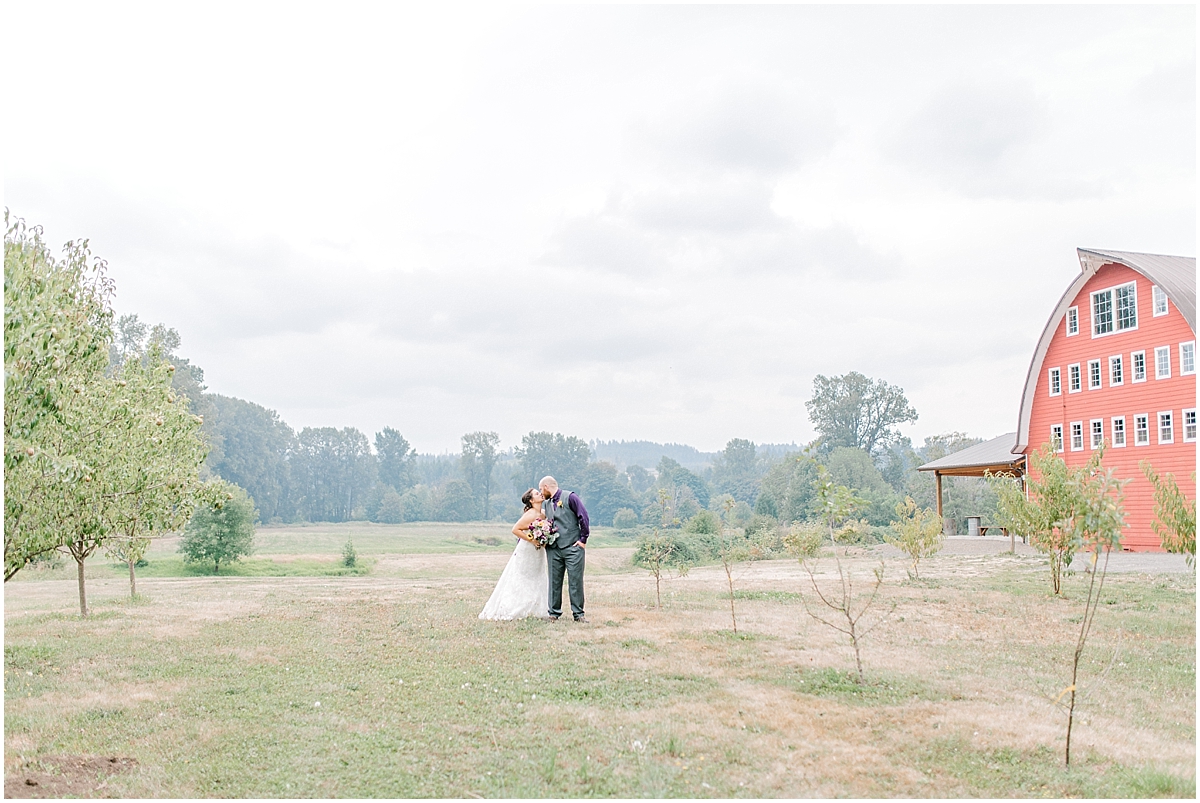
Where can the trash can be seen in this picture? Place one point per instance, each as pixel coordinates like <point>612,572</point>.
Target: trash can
<point>973,525</point>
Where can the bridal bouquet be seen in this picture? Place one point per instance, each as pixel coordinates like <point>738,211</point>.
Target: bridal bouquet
<point>543,532</point>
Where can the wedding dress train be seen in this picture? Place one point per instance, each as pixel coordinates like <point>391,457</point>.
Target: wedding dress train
<point>522,588</point>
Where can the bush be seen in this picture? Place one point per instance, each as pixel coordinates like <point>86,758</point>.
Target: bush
<point>805,540</point>
<point>349,556</point>
<point>705,522</point>
<point>625,519</point>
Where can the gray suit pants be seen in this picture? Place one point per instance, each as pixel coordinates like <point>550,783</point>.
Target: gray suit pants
<point>567,560</point>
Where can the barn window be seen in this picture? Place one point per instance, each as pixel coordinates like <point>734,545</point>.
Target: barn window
<point>1093,374</point>
<point>1160,301</point>
<point>1072,321</point>
<point>1097,433</point>
<point>1055,381</point>
<point>1074,382</point>
<point>1138,358</point>
<point>1116,370</point>
<point>1162,362</point>
<point>1189,425</point>
<point>1166,428</point>
<point>1187,358</point>
<point>1118,430</point>
<point>1141,429</point>
<point>1114,309</point>
<point>1076,436</point>
<point>1056,440</point>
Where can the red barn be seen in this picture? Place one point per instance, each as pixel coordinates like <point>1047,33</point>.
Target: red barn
<point>1116,365</point>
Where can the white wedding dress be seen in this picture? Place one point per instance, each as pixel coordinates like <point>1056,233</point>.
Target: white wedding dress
<point>523,586</point>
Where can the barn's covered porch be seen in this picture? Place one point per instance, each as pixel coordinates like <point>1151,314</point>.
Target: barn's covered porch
<point>990,457</point>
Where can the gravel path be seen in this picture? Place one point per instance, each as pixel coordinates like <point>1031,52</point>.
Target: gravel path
<point>1148,562</point>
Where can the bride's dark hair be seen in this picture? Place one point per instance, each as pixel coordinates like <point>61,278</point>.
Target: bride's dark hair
<point>527,498</point>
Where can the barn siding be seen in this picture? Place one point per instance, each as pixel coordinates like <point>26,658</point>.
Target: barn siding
<point>1150,397</point>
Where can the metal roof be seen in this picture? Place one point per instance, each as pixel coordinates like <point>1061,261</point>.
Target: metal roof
<point>996,452</point>
<point>1175,275</point>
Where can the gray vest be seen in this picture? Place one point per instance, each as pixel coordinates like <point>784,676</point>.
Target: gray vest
<point>564,519</point>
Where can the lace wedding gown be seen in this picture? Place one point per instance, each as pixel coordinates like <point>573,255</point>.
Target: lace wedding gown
<point>522,589</point>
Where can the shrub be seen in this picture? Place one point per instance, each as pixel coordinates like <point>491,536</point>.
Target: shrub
<point>625,519</point>
<point>349,556</point>
<point>804,540</point>
<point>705,522</point>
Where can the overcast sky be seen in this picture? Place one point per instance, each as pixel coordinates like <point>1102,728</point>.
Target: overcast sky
<point>615,222</point>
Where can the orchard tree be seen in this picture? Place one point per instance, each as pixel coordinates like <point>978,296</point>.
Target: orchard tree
<point>57,327</point>
<point>1043,511</point>
<point>856,411</point>
<point>478,459</point>
<point>662,553</point>
<point>918,533</point>
<point>1174,514</point>
<point>222,530</point>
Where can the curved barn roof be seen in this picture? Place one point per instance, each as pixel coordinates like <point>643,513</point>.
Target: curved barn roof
<point>1175,275</point>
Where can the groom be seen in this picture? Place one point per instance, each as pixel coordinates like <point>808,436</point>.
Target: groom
<point>567,512</point>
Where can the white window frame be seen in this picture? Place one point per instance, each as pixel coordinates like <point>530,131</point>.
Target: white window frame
<point>1054,381</point>
<point>1096,428</point>
<point>1074,378</point>
<point>1112,300</point>
<point>1190,347</point>
<point>1158,363</point>
<point>1117,377</point>
<point>1168,414</point>
<point>1118,431</point>
<point>1141,418</point>
<point>1095,375</point>
<point>1076,429</point>
<point>1072,319</point>
<point>1133,361</point>
<point>1191,411</point>
<point>1056,439</point>
<point>1159,306</point>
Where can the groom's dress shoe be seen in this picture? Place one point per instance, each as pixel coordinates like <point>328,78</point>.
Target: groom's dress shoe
<point>582,619</point>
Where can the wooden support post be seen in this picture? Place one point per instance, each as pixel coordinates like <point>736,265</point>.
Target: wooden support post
<point>937,477</point>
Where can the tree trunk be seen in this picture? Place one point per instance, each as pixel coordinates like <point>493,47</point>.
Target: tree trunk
<point>83,611</point>
<point>216,565</point>
<point>132,580</point>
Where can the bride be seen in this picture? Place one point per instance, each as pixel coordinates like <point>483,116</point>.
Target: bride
<point>523,586</point>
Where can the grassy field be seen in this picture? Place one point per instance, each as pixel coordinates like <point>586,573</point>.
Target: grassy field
<point>293,682</point>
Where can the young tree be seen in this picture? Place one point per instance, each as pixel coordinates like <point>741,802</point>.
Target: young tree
<point>918,533</point>
<point>732,549</point>
<point>1174,513</point>
<point>661,553</point>
<point>1045,513</point>
<point>837,505</point>
<point>856,411</point>
<point>478,459</point>
<point>222,530</point>
<point>156,485</point>
<point>57,327</point>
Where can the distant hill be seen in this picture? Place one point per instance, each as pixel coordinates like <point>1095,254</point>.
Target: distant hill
<point>647,453</point>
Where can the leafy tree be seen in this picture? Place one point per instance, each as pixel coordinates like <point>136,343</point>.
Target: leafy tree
<point>603,492</point>
<point>671,506</point>
<point>1044,510</point>
<point>454,501</point>
<point>391,508</point>
<point>837,505</point>
<point>705,522</point>
<point>253,446</point>
<point>333,470</point>
<point>855,469</point>
<point>396,460</point>
<point>670,473</point>
<point>787,491</point>
<point>736,471</point>
<point>57,327</point>
<point>661,553</point>
<point>563,457</point>
<point>222,530</point>
<point>155,485</point>
<point>918,533</point>
<point>478,460</point>
<point>625,519</point>
<point>640,480</point>
<point>1174,513</point>
<point>856,411</point>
